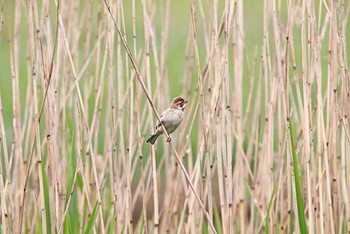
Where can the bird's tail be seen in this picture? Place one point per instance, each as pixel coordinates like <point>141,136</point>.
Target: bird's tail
<point>152,139</point>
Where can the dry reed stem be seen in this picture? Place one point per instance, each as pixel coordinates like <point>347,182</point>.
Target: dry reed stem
<point>79,115</point>
<point>157,115</point>
<point>84,114</point>
<point>2,168</point>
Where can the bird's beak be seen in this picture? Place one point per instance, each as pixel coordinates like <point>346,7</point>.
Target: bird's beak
<point>184,104</point>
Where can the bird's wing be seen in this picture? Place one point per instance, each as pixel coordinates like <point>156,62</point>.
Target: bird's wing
<point>163,117</point>
<point>166,117</point>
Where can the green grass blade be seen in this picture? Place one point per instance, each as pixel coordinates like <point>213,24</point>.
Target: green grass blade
<point>298,186</point>
<point>267,218</point>
<point>92,220</point>
<point>67,227</point>
<point>46,199</point>
<point>71,168</point>
<point>217,220</point>
<point>111,228</point>
<point>39,229</point>
<point>142,225</point>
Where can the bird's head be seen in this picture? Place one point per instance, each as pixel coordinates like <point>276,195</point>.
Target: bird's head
<point>179,103</point>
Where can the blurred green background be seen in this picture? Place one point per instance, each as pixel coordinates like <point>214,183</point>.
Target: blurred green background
<point>178,35</point>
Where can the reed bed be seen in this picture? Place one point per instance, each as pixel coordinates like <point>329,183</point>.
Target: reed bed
<point>263,147</point>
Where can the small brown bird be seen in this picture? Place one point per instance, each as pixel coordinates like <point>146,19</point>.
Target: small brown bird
<point>171,118</point>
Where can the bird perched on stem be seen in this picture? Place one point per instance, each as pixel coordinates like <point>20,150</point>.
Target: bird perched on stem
<point>171,118</point>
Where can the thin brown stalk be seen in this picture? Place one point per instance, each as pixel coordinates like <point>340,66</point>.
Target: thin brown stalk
<point>157,115</point>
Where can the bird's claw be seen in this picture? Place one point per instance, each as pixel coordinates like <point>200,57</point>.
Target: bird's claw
<point>168,139</point>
